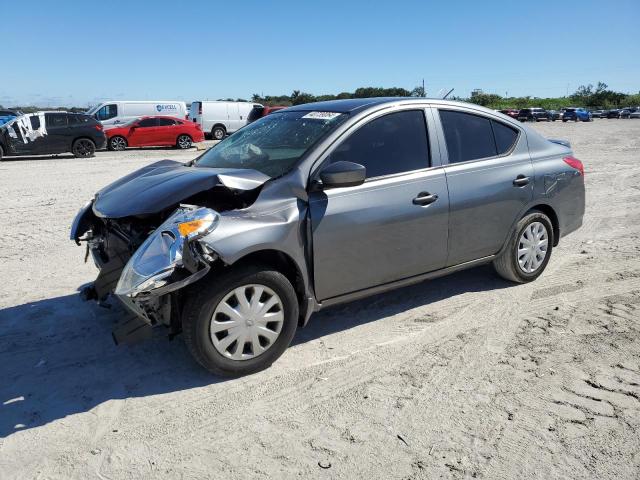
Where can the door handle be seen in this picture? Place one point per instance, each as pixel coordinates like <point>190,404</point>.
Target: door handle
<point>521,181</point>
<point>425,198</point>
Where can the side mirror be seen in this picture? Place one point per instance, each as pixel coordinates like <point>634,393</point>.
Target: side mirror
<point>343,174</point>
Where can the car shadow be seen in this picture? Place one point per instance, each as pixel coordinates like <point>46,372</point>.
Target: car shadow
<point>57,156</point>
<point>57,357</point>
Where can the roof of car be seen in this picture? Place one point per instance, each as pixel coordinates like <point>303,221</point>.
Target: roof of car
<point>354,105</point>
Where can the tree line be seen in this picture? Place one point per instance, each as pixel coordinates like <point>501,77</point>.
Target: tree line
<point>598,96</point>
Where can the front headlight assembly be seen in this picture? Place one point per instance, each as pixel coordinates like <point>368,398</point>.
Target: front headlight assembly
<point>166,250</point>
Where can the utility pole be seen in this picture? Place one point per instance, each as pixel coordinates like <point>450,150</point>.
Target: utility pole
<point>424,93</point>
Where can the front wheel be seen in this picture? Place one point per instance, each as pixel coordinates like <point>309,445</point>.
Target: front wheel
<point>528,250</point>
<point>117,143</point>
<point>83,148</point>
<point>240,322</point>
<point>184,142</point>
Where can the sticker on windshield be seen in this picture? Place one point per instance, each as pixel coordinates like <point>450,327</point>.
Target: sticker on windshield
<point>321,115</point>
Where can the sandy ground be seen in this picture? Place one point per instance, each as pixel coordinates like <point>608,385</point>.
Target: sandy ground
<point>462,377</point>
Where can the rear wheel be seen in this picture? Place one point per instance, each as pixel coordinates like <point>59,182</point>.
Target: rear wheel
<point>1,153</point>
<point>528,250</point>
<point>184,141</point>
<point>83,148</point>
<point>117,143</point>
<point>218,132</point>
<point>240,322</point>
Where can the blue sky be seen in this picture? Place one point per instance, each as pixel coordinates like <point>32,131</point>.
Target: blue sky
<point>80,52</point>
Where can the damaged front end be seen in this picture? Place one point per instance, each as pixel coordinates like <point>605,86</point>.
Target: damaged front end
<point>141,268</point>
<point>168,260</point>
<point>143,233</point>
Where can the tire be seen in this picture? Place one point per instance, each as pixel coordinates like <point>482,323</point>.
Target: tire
<point>184,141</point>
<point>507,264</point>
<point>1,153</point>
<point>83,148</point>
<point>214,292</point>
<point>118,143</point>
<point>218,132</point>
<point>564,120</point>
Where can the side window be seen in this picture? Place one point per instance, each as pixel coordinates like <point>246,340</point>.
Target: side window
<point>73,120</point>
<point>148,122</point>
<point>35,122</point>
<point>394,143</point>
<point>468,137</point>
<point>55,120</point>
<point>107,112</point>
<point>165,122</point>
<point>505,136</point>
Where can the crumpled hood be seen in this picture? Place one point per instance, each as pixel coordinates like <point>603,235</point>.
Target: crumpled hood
<point>158,186</point>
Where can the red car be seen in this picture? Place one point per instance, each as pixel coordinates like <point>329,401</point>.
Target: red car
<point>154,132</point>
<point>512,112</point>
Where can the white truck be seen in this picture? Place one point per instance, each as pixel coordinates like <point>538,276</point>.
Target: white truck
<point>119,111</point>
<point>220,118</point>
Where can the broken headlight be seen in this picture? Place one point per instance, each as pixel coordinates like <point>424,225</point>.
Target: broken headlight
<point>160,254</point>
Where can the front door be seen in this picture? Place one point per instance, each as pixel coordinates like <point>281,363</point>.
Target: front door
<point>393,226</point>
<point>143,133</point>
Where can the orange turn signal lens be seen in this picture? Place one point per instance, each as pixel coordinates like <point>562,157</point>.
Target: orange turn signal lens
<point>187,228</point>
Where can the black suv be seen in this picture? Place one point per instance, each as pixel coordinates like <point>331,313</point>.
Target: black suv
<point>46,133</point>
<point>533,115</point>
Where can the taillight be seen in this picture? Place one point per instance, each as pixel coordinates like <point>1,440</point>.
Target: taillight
<point>574,163</point>
<point>98,127</point>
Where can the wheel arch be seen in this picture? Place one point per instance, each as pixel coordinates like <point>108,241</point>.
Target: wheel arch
<point>553,216</point>
<point>215,125</point>
<point>286,265</point>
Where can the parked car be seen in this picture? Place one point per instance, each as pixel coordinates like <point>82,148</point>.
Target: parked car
<point>614,113</point>
<point>221,118</point>
<point>320,204</point>
<point>154,132</point>
<point>576,114</point>
<point>555,115</point>
<point>624,113</point>
<point>6,115</point>
<point>48,133</point>
<point>510,112</point>
<point>598,113</point>
<point>260,111</point>
<point>533,115</point>
<point>121,111</point>
<point>635,114</point>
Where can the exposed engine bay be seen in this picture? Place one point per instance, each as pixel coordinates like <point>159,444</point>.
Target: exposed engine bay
<point>143,255</point>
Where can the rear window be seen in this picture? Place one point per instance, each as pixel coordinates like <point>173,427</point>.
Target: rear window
<point>468,137</point>
<point>255,114</point>
<point>165,122</point>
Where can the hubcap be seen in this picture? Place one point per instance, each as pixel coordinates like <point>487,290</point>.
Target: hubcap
<point>532,247</point>
<point>247,322</point>
<point>218,134</point>
<point>83,147</point>
<point>118,143</point>
<point>184,141</point>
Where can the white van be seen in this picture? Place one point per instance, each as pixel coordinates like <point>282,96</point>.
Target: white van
<point>220,118</point>
<point>119,111</point>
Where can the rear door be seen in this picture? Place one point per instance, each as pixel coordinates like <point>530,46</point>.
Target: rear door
<point>382,230</point>
<point>167,133</point>
<point>58,133</point>
<point>490,179</point>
